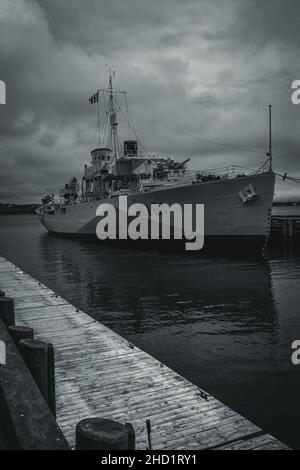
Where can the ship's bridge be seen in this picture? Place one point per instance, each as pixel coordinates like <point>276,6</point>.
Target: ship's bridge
<point>101,159</point>
<point>102,154</point>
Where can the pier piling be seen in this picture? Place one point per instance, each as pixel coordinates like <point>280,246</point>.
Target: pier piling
<point>39,358</point>
<point>26,420</point>
<point>20,332</point>
<point>104,434</point>
<point>7,311</point>
<point>285,228</point>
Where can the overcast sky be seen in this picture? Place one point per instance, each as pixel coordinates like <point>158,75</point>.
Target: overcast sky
<point>207,68</point>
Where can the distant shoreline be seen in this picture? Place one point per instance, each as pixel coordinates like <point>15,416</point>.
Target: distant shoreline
<point>17,209</point>
<point>286,203</point>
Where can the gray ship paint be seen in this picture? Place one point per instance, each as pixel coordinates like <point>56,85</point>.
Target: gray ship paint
<point>137,221</point>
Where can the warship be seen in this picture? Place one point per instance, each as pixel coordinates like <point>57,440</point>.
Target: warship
<point>237,201</point>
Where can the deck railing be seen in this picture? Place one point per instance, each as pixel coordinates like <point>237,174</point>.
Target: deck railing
<point>188,176</point>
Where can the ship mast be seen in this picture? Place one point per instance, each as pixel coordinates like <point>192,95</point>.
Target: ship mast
<point>112,110</point>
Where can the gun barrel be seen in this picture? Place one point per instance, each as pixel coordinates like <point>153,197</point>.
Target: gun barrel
<point>180,165</point>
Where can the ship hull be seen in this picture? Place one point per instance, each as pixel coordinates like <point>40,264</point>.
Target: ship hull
<point>228,219</point>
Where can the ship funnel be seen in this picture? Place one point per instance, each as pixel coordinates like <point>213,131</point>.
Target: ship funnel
<point>130,148</point>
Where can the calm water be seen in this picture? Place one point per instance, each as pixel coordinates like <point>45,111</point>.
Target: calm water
<point>226,324</point>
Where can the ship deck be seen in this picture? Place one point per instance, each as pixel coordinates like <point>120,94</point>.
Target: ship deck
<point>99,373</point>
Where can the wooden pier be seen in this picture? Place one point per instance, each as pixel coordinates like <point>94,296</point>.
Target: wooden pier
<point>285,228</point>
<point>100,374</point>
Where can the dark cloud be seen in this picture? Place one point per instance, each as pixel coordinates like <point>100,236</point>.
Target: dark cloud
<point>196,71</point>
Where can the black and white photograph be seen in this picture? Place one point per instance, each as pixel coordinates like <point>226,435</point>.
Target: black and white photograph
<point>149,228</point>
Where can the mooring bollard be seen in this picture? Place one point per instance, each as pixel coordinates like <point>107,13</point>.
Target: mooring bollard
<point>2,294</point>
<point>20,332</point>
<point>104,434</point>
<point>7,311</point>
<point>39,358</point>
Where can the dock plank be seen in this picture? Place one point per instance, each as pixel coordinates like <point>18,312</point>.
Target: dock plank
<point>99,373</point>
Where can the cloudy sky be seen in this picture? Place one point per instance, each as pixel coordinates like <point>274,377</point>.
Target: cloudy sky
<point>195,71</point>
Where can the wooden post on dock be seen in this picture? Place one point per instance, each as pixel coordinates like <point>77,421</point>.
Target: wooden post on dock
<point>7,311</point>
<point>104,434</point>
<point>20,332</point>
<point>26,420</point>
<point>284,228</point>
<point>291,228</point>
<point>39,358</point>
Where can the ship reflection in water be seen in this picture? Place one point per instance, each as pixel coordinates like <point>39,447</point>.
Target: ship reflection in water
<point>225,323</point>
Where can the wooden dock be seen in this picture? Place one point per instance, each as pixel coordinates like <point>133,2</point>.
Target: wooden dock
<point>98,373</point>
<point>285,227</point>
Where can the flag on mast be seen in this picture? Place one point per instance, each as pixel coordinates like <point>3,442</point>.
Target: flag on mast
<point>94,98</point>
